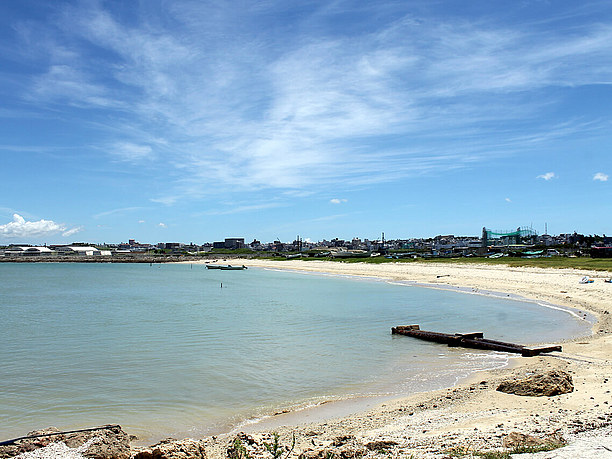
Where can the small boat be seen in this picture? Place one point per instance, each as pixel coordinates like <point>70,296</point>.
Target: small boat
<point>226,267</point>
<point>586,280</point>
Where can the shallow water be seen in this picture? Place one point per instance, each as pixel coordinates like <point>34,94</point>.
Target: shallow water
<point>163,350</point>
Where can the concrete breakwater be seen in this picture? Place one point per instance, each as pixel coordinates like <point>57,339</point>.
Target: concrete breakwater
<point>124,258</point>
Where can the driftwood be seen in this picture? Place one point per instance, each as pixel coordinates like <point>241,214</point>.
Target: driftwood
<point>56,433</point>
<point>471,340</point>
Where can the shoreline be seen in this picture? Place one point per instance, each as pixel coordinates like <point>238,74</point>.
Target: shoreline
<point>469,416</point>
<point>472,411</point>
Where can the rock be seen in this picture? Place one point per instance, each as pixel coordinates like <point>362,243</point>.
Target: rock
<point>514,439</point>
<point>311,454</point>
<point>108,442</point>
<point>342,440</point>
<point>554,382</point>
<point>174,449</point>
<point>30,444</point>
<point>381,445</point>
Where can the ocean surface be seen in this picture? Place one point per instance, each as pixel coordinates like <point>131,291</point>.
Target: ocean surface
<point>178,350</point>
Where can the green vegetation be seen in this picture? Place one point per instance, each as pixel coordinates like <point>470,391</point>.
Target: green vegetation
<point>596,264</point>
<point>238,450</point>
<point>277,450</point>
<point>233,251</point>
<point>549,446</point>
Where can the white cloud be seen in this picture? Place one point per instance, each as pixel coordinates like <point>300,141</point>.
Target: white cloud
<point>548,176</point>
<point>20,228</point>
<point>131,152</point>
<point>337,201</point>
<point>601,177</point>
<point>141,221</point>
<point>508,200</point>
<point>162,225</point>
<point>72,231</point>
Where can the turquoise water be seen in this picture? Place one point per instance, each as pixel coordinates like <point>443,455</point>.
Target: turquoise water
<point>163,350</point>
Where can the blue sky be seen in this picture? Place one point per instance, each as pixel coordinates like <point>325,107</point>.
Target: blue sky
<point>191,121</point>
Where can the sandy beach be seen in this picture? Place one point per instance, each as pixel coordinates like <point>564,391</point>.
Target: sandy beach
<point>473,416</point>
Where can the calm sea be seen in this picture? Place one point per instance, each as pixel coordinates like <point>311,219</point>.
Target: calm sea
<point>164,350</point>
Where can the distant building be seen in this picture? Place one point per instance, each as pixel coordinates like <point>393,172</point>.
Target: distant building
<point>230,243</point>
<point>16,251</point>
<point>81,250</point>
<point>234,243</point>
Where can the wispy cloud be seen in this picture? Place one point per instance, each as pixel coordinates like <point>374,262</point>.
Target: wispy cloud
<point>244,208</point>
<point>121,210</point>
<point>166,200</point>
<point>337,201</point>
<point>72,231</point>
<point>547,176</point>
<point>508,200</point>
<point>127,151</point>
<point>21,228</point>
<point>319,107</point>
<point>600,176</point>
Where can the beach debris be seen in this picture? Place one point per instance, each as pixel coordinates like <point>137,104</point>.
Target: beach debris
<point>103,442</point>
<point>550,383</point>
<point>170,448</point>
<point>471,340</point>
<point>586,280</point>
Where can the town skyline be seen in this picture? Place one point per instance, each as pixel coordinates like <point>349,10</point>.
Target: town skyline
<point>538,239</point>
<point>174,120</point>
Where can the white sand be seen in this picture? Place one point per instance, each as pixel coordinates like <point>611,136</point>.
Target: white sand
<point>474,415</point>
